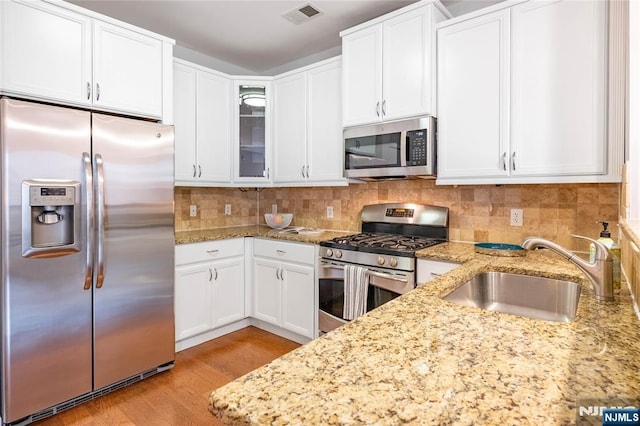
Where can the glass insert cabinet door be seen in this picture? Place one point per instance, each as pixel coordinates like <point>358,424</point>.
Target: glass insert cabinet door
<point>252,131</point>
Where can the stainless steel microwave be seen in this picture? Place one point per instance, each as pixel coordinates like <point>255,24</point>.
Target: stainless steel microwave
<point>393,150</point>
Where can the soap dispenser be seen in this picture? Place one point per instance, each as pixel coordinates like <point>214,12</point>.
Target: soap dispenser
<point>605,238</point>
<point>614,249</point>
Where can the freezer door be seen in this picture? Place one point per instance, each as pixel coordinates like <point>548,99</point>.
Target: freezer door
<point>134,270</point>
<point>46,312</point>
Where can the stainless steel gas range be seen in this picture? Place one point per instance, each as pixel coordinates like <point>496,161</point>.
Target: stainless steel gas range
<point>391,235</point>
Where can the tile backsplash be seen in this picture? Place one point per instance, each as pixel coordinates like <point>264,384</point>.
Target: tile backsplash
<point>476,213</point>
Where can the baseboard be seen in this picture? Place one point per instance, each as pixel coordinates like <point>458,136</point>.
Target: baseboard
<point>209,335</point>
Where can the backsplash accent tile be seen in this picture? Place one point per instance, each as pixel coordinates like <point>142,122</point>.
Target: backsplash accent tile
<point>477,213</point>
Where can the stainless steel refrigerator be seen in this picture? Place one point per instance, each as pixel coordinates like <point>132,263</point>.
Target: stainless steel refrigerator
<point>87,255</point>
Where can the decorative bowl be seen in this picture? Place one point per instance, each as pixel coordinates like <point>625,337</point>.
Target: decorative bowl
<point>278,220</point>
<point>499,249</point>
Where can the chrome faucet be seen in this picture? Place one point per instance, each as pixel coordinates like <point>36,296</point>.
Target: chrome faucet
<point>600,272</point>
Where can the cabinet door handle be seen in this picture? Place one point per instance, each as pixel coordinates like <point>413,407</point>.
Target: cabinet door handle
<point>307,171</point>
<point>210,274</point>
<point>199,171</point>
<point>513,160</point>
<point>215,277</point>
<point>277,271</point>
<point>302,171</point>
<point>88,90</point>
<point>97,91</point>
<point>378,108</point>
<point>281,274</point>
<point>194,170</point>
<point>504,161</point>
<point>266,173</point>
<point>384,107</point>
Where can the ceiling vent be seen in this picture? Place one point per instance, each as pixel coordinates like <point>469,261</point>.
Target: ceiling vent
<point>303,13</point>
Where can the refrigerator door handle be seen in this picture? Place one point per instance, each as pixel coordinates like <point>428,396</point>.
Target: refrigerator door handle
<point>90,218</point>
<point>99,174</point>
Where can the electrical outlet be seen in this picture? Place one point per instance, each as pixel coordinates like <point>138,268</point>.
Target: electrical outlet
<point>274,208</point>
<point>516,217</point>
<point>227,209</point>
<point>330,212</point>
<point>193,210</point>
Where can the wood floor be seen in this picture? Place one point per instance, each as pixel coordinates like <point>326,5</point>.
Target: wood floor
<point>179,396</point>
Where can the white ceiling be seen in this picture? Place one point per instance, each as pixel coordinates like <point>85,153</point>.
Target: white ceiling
<point>252,34</point>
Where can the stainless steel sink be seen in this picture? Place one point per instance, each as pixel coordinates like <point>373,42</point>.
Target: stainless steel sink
<point>524,295</point>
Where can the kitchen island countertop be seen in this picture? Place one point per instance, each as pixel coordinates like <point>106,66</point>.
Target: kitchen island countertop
<point>421,360</point>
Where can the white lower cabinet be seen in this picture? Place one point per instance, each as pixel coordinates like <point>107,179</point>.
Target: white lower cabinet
<point>428,270</point>
<point>222,286</point>
<point>209,286</point>
<point>284,285</point>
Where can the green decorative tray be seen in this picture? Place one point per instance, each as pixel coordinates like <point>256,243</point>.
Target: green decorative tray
<point>500,249</point>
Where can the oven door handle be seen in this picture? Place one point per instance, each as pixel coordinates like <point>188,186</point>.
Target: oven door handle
<point>372,273</point>
<point>387,276</point>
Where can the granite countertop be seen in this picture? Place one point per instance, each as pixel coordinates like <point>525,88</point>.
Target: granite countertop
<point>421,360</point>
<point>260,231</point>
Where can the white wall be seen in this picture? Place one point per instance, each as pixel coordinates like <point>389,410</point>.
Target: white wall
<point>208,61</point>
<point>633,112</point>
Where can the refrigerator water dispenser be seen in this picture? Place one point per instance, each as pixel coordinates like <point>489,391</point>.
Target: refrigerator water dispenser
<point>51,218</point>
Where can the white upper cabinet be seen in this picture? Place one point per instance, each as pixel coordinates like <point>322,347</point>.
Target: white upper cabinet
<point>46,52</point>
<point>290,125</point>
<point>202,114</point>
<point>308,126</point>
<point>473,97</point>
<point>389,66</point>
<point>252,126</point>
<point>522,96</point>
<point>325,152</point>
<point>362,76</point>
<point>213,129</point>
<point>184,115</point>
<point>127,70</point>
<point>559,77</point>
<point>55,52</point>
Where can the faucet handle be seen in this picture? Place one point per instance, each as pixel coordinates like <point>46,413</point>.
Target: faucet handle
<point>602,251</point>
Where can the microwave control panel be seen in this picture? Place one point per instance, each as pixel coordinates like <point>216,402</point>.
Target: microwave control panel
<point>417,147</point>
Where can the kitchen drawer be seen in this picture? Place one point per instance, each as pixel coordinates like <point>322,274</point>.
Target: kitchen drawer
<point>209,250</point>
<point>427,270</point>
<point>284,251</point>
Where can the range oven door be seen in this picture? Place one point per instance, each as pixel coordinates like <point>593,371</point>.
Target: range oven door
<point>384,285</point>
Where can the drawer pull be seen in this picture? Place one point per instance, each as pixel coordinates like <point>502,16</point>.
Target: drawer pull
<point>213,251</point>
<point>281,252</point>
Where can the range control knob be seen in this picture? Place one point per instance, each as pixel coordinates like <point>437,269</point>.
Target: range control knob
<point>338,254</point>
<point>329,253</point>
<point>393,262</point>
<point>380,260</point>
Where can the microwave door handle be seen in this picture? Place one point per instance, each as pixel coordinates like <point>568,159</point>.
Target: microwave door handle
<point>403,148</point>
